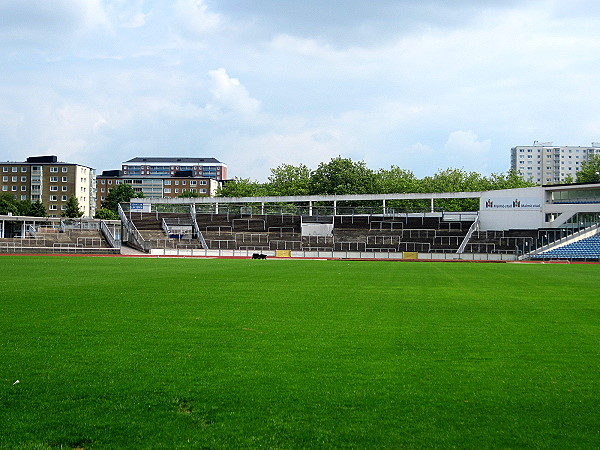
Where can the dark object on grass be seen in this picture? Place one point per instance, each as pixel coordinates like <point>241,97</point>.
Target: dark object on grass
<point>258,256</point>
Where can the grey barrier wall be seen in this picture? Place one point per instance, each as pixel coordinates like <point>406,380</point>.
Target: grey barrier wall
<point>337,255</point>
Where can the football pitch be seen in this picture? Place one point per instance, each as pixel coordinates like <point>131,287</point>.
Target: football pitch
<point>213,353</point>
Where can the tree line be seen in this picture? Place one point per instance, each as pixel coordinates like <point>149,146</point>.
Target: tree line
<point>10,205</point>
<point>342,176</point>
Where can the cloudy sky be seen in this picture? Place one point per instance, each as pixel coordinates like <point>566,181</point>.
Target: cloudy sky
<point>420,84</point>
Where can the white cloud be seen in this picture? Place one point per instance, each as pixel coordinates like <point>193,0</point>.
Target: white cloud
<point>269,150</point>
<point>466,143</point>
<point>195,17</point>
<point>463,149</point>
<point>45,23</point>
<point>231,94</point>
<point>151,76</point>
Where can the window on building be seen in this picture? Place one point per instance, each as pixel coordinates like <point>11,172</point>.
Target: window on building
<point>65,188</point>
<point>65,179</point>
<point>5,169</point>
<point>193,182</point>
<point>5,188</point>
<point>53,169</point>
<point>177,191</point>
<point>23,179</point>
<point>64,198</point>
<point>53,179</point>
<point>65,169</point>
<point>14,188</point>
<point>54,198</point>
<point>14,179</point>
<point>167,191</point>
<point>15,169</point>
<point>167,182</point>
<point>23,197</point>
<point>24,169</point>
<point>54,188</point>
<point>5,179</point>
<point>23,188</point>
<point>203,183</point>
<point>52,208</point>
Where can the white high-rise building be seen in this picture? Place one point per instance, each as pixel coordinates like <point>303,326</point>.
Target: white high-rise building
<point>545,163</point>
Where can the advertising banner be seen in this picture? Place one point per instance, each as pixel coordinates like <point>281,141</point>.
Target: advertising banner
<point>509,203</point>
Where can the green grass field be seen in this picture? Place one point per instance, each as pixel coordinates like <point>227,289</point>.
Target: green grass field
<point>201,353</point>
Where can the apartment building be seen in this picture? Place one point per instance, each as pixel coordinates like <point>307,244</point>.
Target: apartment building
<point>156,186</point>
<point>545,163</point>
<point>45,179</point>
<point>167,167</point>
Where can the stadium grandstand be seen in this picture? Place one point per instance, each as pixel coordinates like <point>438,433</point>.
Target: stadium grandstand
<point>538,223</point>
<point>22,234</point>
<point>513,224</point>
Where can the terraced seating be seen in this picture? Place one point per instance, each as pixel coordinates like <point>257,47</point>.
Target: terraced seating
<point>588,248</point>
<point>52,240</point>
<point>350,233</point>
<point>153,221</point>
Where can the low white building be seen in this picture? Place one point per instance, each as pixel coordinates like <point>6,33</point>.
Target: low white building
<point>564,206</point>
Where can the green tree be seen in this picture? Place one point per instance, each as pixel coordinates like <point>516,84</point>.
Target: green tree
<point>122,193</point>
<point>508,180</point>
<point>189,194</point>
<point>72,208</point>
<point>287,179</point>
<point>37,209</point>
<point>241,187</point>
<point>9,205</point>
<point>106,214</point>
<point>24,207</point>
<point>399,181</point>
<point>590,171</point>
<point>568,180</point>
<point>455,180</point>
<point>342,176</point>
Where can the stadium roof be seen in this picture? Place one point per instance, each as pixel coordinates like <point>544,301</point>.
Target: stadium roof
<point>143,159</point>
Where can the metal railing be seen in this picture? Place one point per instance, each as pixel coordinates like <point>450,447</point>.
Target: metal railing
<point>78,224</point>
<point>31,230</point>
<point>577,236</point>
<point>132,235</point>
<point>474,227</point>
<point>165,227</point>
<point>110,238</point>
<point>136,238</point>
<point>199,235</point>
